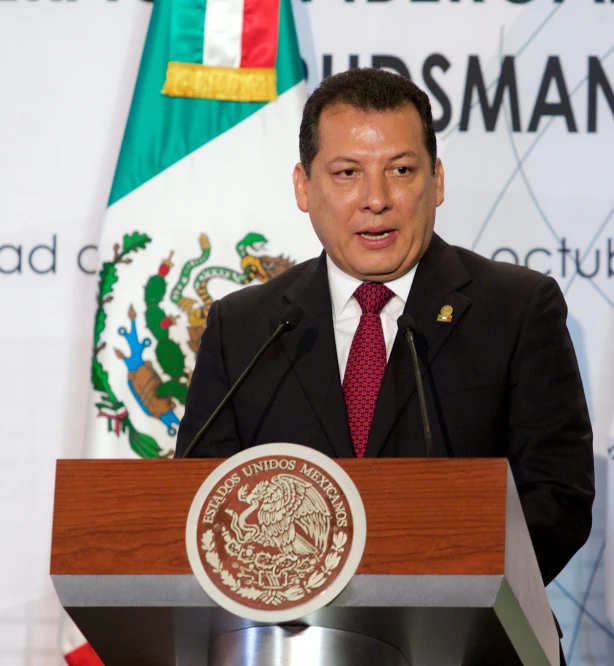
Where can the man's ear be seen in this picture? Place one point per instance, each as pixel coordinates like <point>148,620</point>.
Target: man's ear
<point>439,183</point>
<point>301,184</point>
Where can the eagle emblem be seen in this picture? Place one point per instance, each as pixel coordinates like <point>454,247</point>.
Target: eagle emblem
<point>290,516</point>
<point>143,376</point>
<point>274,534</point>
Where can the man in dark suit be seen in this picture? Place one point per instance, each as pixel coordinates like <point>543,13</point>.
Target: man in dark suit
<point>501,378</point>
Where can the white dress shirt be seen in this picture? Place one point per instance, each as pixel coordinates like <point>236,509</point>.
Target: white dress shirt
<point>346,311</point>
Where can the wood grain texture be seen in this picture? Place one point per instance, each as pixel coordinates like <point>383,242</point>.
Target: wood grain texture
<point>438,517</point>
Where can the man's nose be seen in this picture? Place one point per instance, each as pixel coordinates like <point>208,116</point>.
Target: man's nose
<point>376,196</point>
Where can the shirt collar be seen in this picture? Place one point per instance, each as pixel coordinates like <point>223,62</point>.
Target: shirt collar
<point>342,287</point>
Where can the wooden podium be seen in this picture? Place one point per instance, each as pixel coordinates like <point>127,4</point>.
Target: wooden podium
<point>448,575</point>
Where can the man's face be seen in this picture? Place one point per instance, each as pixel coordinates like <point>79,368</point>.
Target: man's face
<point>372,193</point>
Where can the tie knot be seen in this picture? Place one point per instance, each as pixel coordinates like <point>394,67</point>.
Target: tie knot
<point>372,297</point>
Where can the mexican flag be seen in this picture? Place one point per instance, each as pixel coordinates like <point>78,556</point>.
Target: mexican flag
<point>201,204</point>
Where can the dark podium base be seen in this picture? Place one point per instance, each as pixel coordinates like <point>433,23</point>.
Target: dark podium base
<point>176,623</point>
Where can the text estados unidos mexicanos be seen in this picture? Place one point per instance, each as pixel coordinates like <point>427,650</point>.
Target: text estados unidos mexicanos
<point>283,464</point>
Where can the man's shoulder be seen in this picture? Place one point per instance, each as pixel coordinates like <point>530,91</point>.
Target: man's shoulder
<point>504,287</point>
<point>497,274</point>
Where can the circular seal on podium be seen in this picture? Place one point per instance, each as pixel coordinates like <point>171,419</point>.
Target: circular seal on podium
<point>276,532</point>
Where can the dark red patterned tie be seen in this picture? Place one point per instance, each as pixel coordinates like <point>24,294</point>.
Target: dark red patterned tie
<point>366,363</point>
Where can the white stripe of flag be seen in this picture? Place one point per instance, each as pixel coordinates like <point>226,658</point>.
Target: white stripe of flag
<point>223,33</point>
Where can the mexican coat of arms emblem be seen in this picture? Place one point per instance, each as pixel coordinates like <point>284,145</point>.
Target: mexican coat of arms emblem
<point>276,532</point>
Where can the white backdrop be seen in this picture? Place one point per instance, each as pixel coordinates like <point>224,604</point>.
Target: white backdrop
<point>536,189</point>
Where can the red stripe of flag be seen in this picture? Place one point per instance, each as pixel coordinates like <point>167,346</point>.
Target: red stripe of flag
<point>83,656</point>
<point>260,33</point>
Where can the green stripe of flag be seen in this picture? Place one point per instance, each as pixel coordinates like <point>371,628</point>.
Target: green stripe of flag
<point>162,130</point>
<point>188,22</point>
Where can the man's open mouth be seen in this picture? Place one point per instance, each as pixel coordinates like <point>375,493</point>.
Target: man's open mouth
<point>378,236</point>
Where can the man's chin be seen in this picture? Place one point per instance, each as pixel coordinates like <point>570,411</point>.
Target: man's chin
<point>381,265</point>
<point>379,272</point>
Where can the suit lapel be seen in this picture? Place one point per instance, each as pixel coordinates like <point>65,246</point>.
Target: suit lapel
<point>438,277</point>
<point>311,350</point>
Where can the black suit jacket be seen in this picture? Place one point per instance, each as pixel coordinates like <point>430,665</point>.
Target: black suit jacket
<point>500,380</point>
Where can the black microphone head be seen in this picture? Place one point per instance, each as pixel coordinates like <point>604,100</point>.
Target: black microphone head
<point>406,323</point>
<point>291,316</point>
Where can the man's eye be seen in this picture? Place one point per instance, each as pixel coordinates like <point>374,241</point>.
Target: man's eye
<point>403,170</point>
<point>347,172</point>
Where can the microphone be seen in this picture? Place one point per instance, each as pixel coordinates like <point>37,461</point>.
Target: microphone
<point>407,326</point>
<point>288,320</point>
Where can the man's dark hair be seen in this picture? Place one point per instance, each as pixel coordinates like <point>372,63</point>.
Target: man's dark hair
<point>365,89</point>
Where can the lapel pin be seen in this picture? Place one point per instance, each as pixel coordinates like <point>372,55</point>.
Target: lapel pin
<point>445,314</point>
